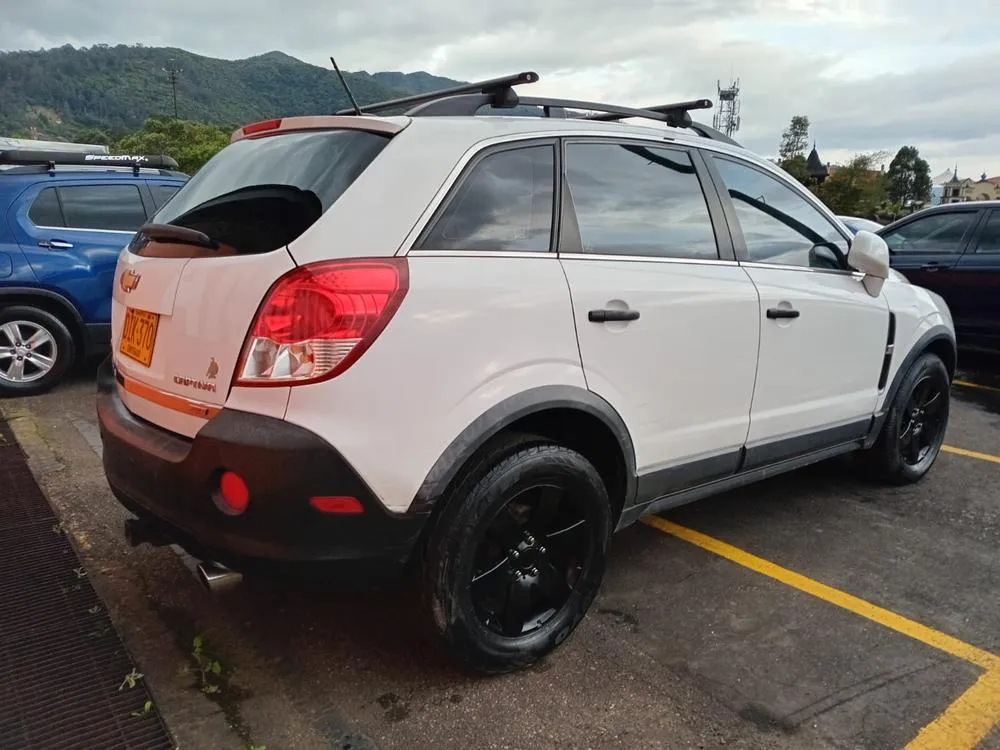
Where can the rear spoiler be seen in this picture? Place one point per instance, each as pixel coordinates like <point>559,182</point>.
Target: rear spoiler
<point>318,122</point>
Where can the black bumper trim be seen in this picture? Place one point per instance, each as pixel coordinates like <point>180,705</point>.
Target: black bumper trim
<point>168,480</point>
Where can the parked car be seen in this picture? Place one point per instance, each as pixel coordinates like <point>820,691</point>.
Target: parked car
<point>954,250</point>
<point>554,327</point>
<point>856,224</point>
<point>64,219</point>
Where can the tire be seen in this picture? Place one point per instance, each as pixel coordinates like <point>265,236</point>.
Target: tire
<point>555,574</point>
<point>20,371</point>
<point>892,458</point>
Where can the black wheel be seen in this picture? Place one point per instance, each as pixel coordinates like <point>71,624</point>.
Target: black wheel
<point>517,555</point>
<point>36,350</point>
<point>913,432</point>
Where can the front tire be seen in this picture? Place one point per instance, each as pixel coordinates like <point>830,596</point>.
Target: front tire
<point>914,428</point>
<point>517,555</point>
<point>36,350</point>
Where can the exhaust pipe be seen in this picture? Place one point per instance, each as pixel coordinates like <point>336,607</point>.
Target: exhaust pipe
<point>216,577</point>
<point>138,531</point>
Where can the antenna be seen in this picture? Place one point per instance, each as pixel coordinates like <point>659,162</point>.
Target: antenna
<point>343,82</point>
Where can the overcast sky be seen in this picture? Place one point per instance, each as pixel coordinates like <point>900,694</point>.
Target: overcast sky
<point>870,74</point>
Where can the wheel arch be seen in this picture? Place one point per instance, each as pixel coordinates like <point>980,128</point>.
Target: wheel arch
<point>569,415</point>
<point>51,302</point>
<point>938,340</point>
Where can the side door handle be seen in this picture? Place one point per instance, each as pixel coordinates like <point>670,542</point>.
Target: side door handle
<point>608,314</point>
<point>56,244</point>
<point>932,266</point>
<point>777,313</point>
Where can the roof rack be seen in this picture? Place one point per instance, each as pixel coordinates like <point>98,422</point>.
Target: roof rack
<point>498,93</point>
<point>49,159</point>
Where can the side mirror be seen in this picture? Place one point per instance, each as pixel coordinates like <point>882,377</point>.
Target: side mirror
<point>870,255</point>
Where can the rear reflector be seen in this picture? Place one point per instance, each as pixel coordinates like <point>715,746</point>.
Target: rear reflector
<point>342,505</point>
<point>317,320</point>
<point>233,495</point>
<point>260,127</point>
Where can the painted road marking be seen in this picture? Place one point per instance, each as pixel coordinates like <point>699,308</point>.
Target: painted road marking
<point>966,721</point>
<point>971,454</point>
<point>967,384</point>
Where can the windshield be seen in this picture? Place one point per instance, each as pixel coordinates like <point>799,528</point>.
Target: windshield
<point>259,194</point>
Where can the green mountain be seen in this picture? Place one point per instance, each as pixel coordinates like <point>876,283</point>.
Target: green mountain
<point>68,92</point>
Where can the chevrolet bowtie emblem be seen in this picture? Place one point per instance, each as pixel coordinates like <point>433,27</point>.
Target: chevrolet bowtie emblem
<point>129,280</point>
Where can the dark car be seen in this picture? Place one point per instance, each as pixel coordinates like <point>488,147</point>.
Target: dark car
<point>954,250</point>
<point>856,224</point>
<point>64,219</point>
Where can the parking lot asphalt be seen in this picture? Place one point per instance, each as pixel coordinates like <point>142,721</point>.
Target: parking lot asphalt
<point>812,610</point>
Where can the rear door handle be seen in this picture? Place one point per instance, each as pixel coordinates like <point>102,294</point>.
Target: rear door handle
<point>932,266</point>
<point>608,314</point>
<point>56,244</point>
<point>775,313</point>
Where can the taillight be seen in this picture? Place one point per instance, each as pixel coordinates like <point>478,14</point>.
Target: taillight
<point>317,320</point>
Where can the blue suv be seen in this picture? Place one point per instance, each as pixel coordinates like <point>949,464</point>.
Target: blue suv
<point>64,219</point>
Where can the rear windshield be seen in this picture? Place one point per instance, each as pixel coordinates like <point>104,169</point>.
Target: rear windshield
<point>257,195</point>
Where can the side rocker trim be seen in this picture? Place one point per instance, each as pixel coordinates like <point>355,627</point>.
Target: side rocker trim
<point>502,415</point>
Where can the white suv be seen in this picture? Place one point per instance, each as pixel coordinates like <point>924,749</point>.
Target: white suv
<point>484,343</point>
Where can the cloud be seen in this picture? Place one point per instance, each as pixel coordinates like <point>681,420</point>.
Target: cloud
<point>870,74</point>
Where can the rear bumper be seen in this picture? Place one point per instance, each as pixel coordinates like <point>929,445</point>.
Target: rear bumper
<point>168,481</point>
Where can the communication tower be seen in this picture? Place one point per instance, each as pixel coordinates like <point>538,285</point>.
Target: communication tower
<point>727,116</point>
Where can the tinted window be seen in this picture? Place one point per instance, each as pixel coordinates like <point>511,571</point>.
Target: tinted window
<point>261,193</point>
<point>638,200</point>
<point>937,233</point>
<point>45,211</point>
<point>162,193</point>
<point>779,225</point>
<point>504,204</point>
<point>117,207</point>
<point>989,240</point>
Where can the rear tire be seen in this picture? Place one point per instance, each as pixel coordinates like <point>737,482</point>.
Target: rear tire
<point>914,428</point>
<point>517,555</point>
<point>36,350</point>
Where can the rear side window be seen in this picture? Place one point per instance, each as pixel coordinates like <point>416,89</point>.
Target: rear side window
<point>108,207</point>
<point>259,194</point>
<point>45,211</point>
<point>638,200</point>
<point>504,204</point>
<point>989,240</point>
<point>162,193</point>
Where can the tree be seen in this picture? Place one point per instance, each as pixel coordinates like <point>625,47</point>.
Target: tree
<point>856,189</point>
<point>191,144</point>
<point>792,150</point>
<point>909,177</point>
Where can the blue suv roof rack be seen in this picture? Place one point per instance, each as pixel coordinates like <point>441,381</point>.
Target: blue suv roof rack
<point>498,93</point>
<point>43,161</point>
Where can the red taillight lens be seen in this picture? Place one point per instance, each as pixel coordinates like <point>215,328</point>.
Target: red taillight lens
<point>318,319</point>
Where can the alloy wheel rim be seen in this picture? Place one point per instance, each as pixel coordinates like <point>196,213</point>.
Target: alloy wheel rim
<point>530,559</point>
<point>28,351</point>
<point>921,429</point>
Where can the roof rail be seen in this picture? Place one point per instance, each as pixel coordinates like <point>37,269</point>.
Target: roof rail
<point>498,88</point>
<point>498,93</point>
<point>25,157</point>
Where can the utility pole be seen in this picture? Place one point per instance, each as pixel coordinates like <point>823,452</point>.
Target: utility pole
<point>172,74</point>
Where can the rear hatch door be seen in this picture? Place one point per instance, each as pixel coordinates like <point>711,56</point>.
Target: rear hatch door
<point>189,285</point>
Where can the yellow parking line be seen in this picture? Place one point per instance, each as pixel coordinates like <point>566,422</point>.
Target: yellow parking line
<point>968,384</point>
<point>966,721</point>
<point>971,454</point>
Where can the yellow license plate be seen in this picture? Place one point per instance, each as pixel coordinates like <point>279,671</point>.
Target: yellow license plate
<point>139,335</point>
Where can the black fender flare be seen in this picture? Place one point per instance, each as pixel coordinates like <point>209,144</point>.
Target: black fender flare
<point>502,415</point>
<point>923,344</point>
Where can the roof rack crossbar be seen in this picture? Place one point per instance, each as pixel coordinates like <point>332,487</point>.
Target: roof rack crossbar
<point>500,88</point>
<point>673,108</point>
